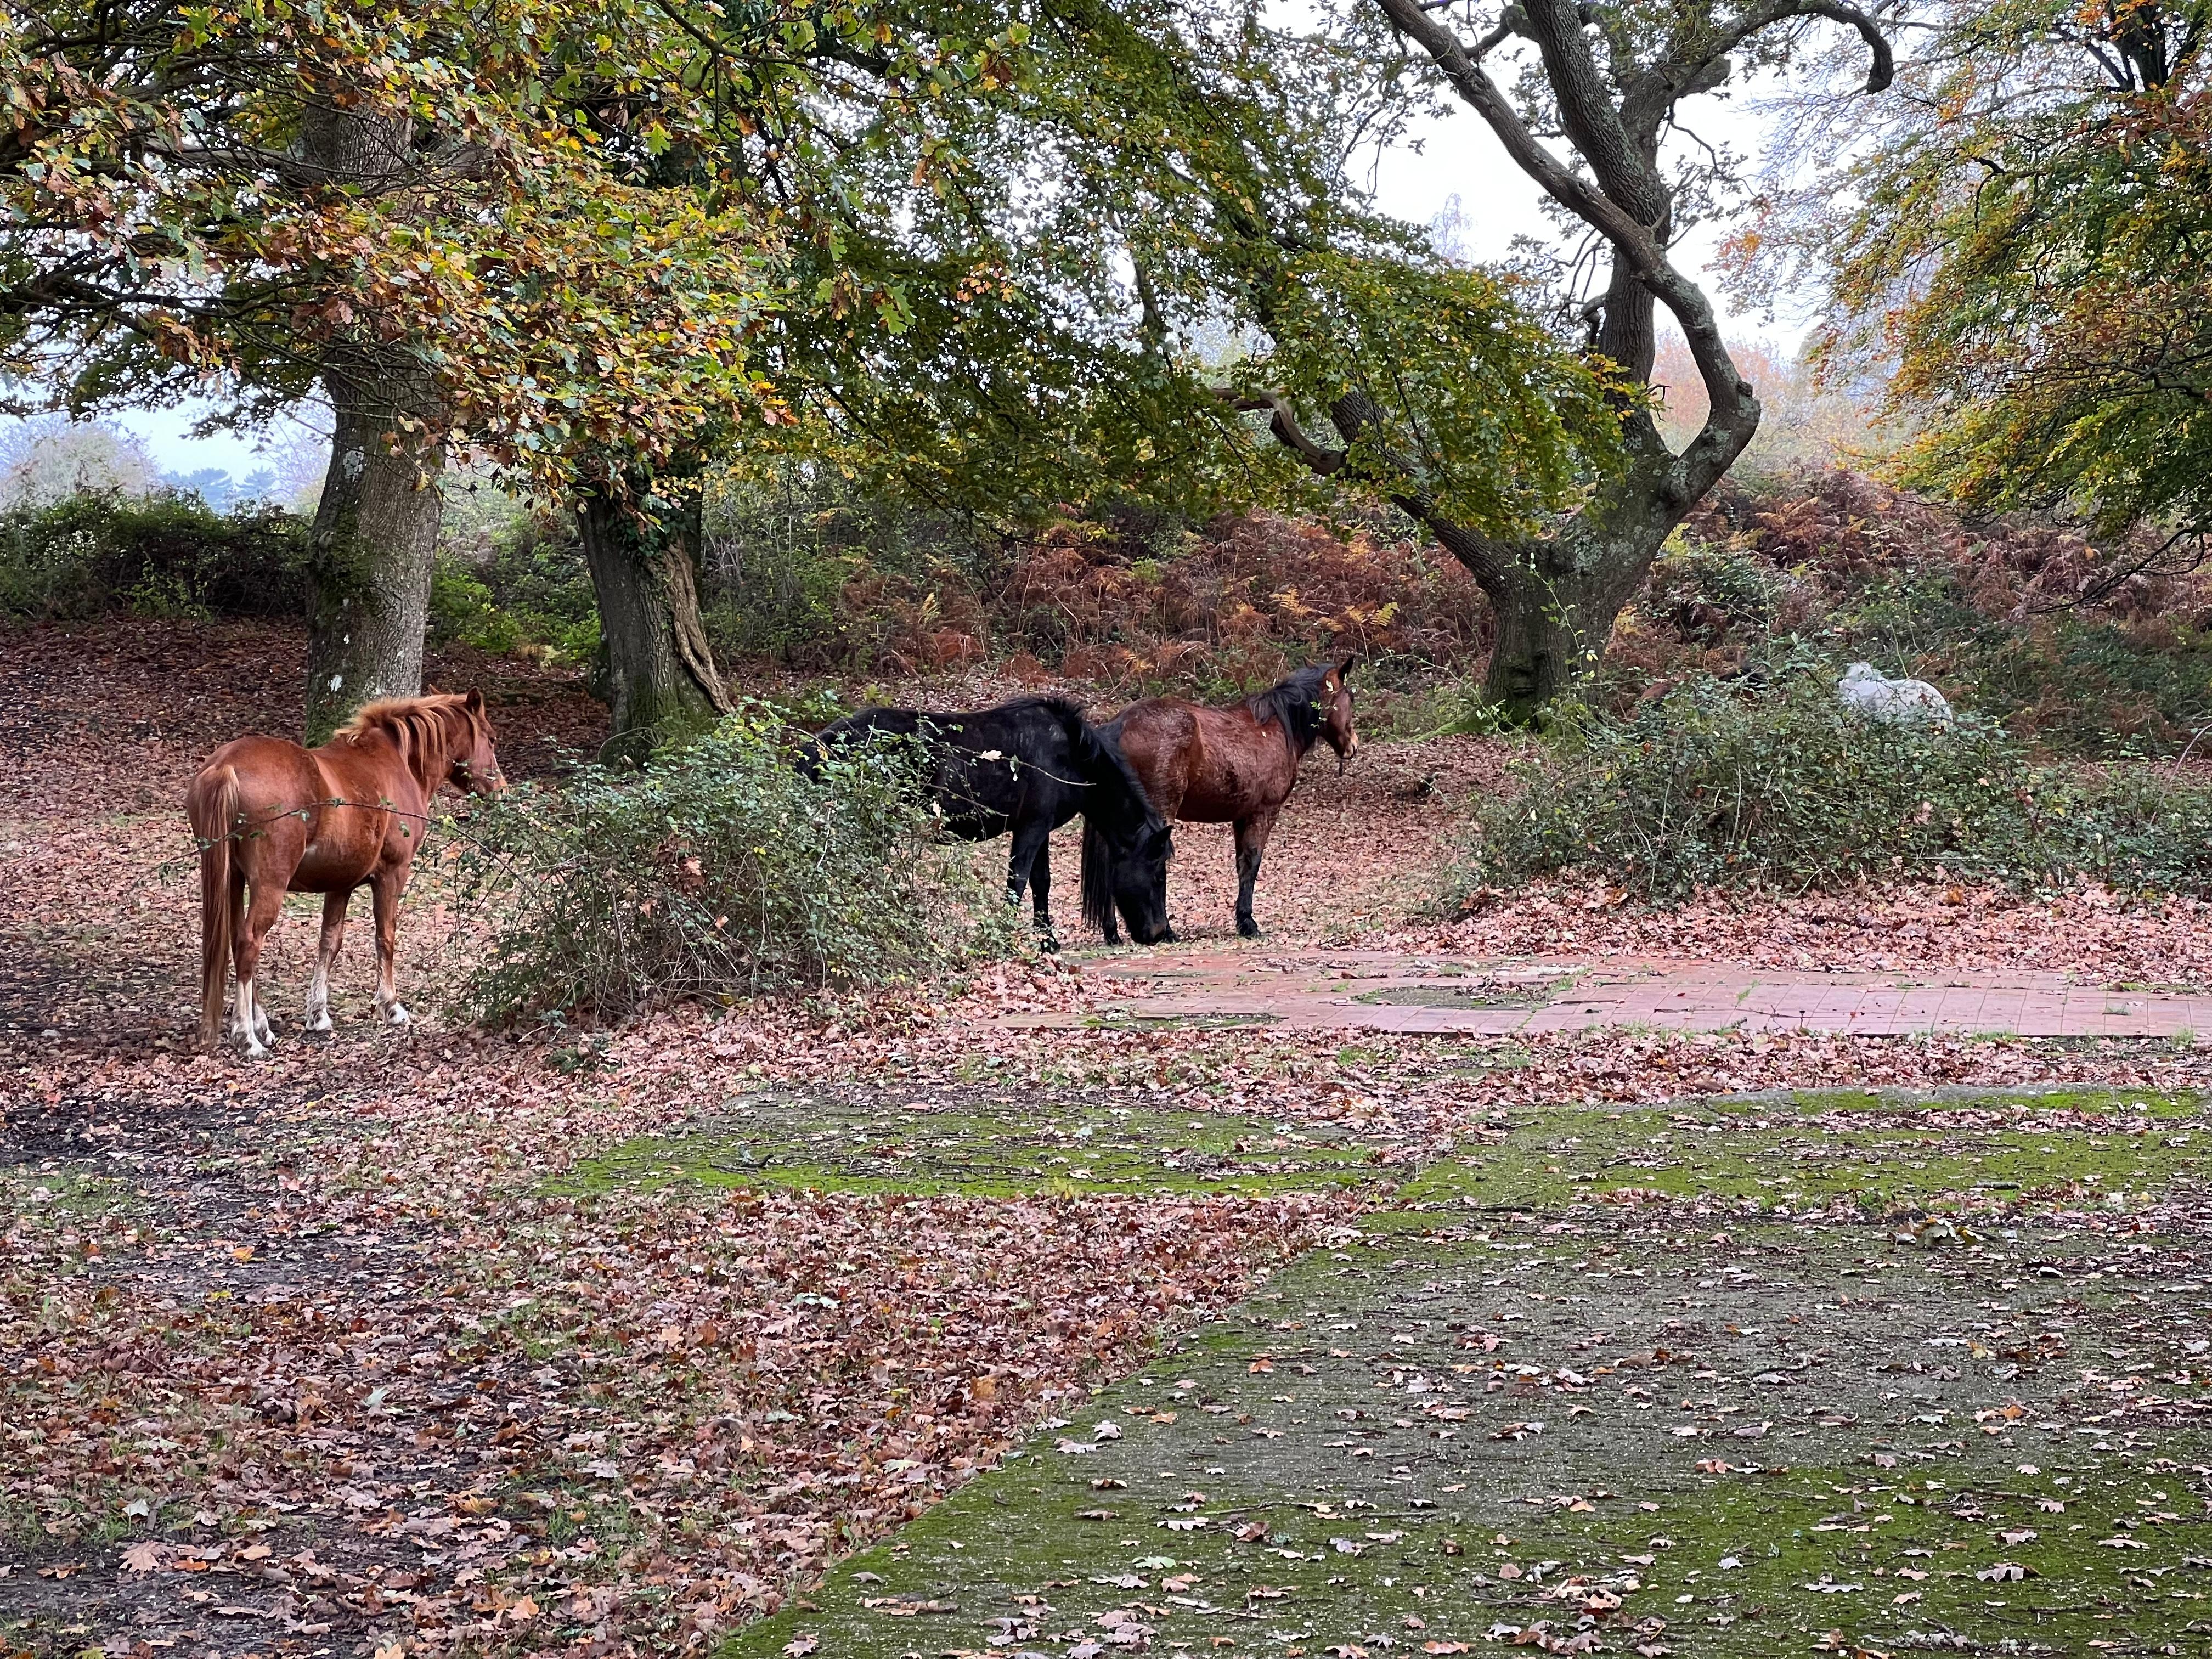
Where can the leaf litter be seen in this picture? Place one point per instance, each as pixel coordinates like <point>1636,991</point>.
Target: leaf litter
<point>371,1347</point>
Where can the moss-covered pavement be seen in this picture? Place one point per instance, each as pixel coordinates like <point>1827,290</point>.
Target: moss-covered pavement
<point>1846,1374</point>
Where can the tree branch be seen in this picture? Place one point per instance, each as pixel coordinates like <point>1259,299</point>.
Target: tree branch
<point>1285,425</point>
<point>1880,73</point>
<point>1621,206</point>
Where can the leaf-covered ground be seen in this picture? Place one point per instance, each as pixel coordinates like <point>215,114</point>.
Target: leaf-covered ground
<point>449,1342</point>
<point>1964,1405</point>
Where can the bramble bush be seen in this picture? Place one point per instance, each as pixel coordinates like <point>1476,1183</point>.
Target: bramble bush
<point>720,872</point>
<point>160,555</point>
<point>1717,783</point>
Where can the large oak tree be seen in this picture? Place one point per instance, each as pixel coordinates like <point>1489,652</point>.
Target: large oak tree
<point>405,207</point>
<point>1586,116</point>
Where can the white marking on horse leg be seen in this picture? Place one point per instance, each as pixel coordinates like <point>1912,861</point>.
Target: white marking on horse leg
<point>396,1014</point>
<point>319,998</point>
<point>249,1032</point>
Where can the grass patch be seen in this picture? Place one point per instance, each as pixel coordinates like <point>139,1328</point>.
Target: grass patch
<point>2005,1152</point>
<point>1891,1555</point>
<point>1463,1440</point>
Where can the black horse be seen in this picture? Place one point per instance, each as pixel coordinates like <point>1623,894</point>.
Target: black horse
<point>1029,766</point>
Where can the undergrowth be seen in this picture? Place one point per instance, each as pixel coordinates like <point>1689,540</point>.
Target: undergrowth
<point>1726,783</point>
<point>155,555</point>
<point>721,872</point>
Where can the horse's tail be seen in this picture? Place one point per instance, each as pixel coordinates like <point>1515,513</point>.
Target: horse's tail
<point>213,809</point>
<point>1099,881</point>
<point>1115,795</point>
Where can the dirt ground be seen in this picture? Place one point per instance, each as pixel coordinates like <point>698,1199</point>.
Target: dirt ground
<point>448,1341</point>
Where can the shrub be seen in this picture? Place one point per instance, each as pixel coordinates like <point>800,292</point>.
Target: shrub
<point>462,609</point>
<point>803,569</point>
<point>510,579</point>
<point>721,872</point>
<point>1719,784</point>
<point>161,555</point>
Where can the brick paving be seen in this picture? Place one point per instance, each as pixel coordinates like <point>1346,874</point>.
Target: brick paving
<point>1322,989</point>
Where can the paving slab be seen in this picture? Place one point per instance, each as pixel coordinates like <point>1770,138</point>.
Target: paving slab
<point>1387,992</point>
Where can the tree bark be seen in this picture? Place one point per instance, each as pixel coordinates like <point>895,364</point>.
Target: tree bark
<point>370,551</point>
<point>375,533</point>
<point>661,667</point>
<point>1551,629</point>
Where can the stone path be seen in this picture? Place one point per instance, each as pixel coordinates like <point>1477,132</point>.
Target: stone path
<point>1386,991</point>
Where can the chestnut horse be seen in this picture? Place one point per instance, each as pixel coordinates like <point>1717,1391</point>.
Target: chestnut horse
<point>278,819</point>
<point>1236,765</point>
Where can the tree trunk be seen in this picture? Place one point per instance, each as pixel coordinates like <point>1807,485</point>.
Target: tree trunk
<point>1551,632</point>
<point>370,551</point>
<point>1557,597</point>
<point>660,665</point>
<point>376,529</point>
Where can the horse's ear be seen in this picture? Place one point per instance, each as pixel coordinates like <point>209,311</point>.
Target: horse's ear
<point>1344,671</point>
<point>475,702</point>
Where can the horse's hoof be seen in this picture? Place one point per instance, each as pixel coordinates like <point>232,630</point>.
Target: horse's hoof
<point>1248,928</point>
<point>254,1049</point>
<point>1049,944</point>
<point>318,1024</point>
<point>396,1015</point>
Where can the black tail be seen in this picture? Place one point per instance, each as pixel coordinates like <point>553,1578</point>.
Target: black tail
<point>1112,795</point>
<point>1099,881</point>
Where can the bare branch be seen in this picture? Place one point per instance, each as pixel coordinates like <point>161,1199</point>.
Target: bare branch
<point>1285,425</point>
<point>1880,73</point>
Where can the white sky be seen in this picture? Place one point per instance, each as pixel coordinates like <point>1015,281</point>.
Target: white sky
<point>1450,154</point>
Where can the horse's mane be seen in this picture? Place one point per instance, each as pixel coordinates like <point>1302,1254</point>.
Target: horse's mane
<point>443,721</point>
<point>1291,703</point>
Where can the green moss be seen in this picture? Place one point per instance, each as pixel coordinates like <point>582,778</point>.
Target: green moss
<point>66,1206</point>
<point>2026,1556</point>
<point>1041,1147</point>
<point>1569,1422</point>
<point>1879,1153</point>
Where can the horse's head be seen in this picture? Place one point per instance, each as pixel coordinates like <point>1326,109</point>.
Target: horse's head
<point>473,764</point>
<point>1125,869</point>
<point>1333,701</point>
<point>1140,881</point>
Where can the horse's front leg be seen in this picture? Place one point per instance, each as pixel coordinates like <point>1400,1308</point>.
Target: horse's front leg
<point>326,951</point>
<point>386,887</point>
<point>250,1020</point>
<point>1028,862</point>
<point>1252,834</point>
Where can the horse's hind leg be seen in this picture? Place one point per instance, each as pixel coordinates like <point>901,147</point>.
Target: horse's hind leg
<point>327,951</point>
<point>1252,834</point>
<point>384,890</point>
<point>250,1020</point>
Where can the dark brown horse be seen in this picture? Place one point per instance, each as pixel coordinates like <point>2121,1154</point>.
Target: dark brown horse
<point>1236,765</point>
<point>276,818</point>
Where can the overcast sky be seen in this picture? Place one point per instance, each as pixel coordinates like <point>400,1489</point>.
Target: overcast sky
<point>1451,155</point>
